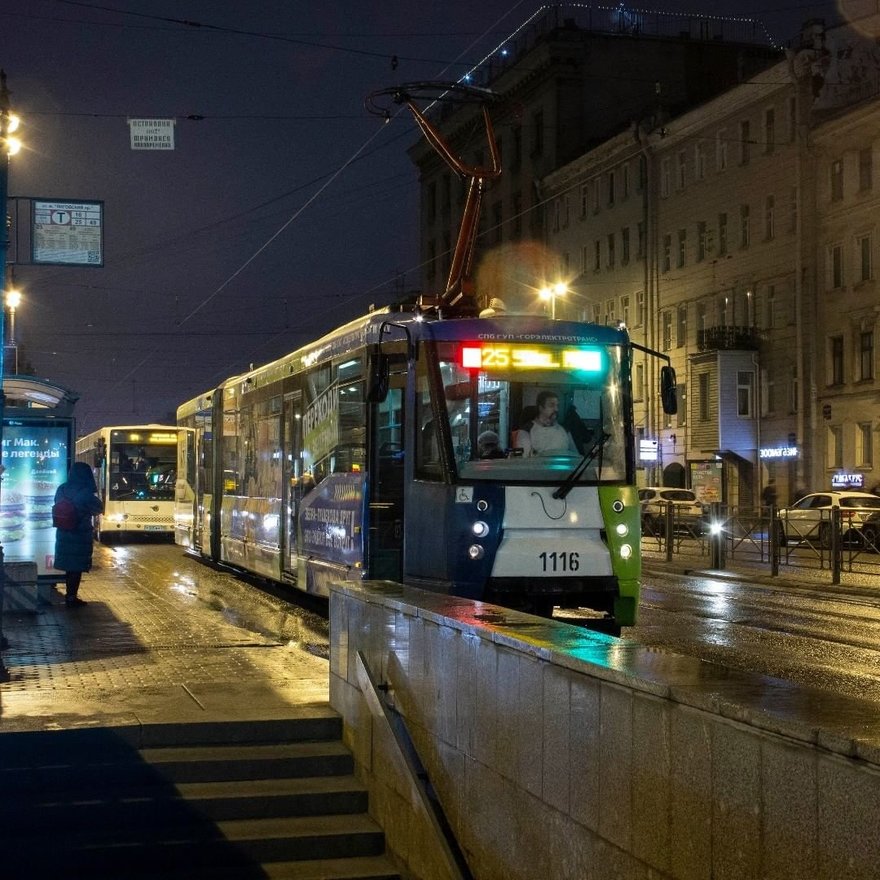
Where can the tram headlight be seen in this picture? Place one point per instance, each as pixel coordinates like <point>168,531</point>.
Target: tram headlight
<point>480,528</point>
<point>626,551</point>
<point>622,529</point>
<point>475,552</point>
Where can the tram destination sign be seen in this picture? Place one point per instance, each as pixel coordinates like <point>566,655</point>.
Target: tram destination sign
<point>67,233</point>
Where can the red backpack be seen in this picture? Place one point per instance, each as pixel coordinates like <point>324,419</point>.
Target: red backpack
<point>64,515</point>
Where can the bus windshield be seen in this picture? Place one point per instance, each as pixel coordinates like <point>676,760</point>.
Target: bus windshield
<point>142,472</point>
<point>528,412</point>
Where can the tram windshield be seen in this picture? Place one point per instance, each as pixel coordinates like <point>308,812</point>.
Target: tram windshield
<point>526,412</point>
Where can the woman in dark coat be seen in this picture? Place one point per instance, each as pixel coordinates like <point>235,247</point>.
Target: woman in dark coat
<point>73,548</point>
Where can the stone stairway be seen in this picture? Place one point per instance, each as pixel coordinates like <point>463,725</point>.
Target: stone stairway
<point>222,800</point>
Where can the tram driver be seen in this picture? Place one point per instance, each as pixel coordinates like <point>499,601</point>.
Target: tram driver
<point>546,436</point>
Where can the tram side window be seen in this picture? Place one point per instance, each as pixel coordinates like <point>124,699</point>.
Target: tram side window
<point>263,464</point>
<point>428,464</point>
<point>232,457</point>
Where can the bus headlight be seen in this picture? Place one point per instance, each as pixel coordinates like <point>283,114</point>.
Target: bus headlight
<point>622,529</point>
<point>475,551</point>
<point>480,529</point>
<point>626,551</point>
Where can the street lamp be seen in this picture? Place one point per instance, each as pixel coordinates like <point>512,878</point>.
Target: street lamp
<point>13,300</point>
<point>551,293</point>
<point>9,146</point>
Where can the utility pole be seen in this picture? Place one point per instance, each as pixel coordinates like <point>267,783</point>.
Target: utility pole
<point>5,128</point>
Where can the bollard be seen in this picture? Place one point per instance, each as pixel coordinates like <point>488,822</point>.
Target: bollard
<point>835,545</point>
<point>775,548</point>
<point>668,528</point>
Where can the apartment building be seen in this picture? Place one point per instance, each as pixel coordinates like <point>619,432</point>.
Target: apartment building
<point>758,212</point>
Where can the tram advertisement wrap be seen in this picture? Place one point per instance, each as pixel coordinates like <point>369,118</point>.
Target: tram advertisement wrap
<point>332,516</point>
<point>36,458</point>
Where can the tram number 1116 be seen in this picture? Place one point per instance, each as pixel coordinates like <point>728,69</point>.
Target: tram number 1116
<point>560,562</point>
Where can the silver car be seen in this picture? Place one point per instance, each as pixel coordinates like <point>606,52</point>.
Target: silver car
<point>809,518</point>
<point>688,514</point>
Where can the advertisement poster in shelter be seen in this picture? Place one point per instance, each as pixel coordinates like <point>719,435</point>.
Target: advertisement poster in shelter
<point>36,459</point>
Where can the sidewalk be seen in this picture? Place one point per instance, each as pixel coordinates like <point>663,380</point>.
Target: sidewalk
<point>163,639</point>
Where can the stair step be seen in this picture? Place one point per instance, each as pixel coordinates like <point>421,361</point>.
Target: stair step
<point>239,844</point>
<point>134,806</point>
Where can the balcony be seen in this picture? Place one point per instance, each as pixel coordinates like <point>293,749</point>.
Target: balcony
<point>728,338</point>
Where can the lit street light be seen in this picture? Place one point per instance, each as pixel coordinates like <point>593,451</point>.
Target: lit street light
<point>13,300</point>
<point>8,146</point>
<point>551,294</point>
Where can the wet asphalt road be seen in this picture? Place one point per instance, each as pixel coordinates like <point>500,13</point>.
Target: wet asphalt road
<point>812,636</point>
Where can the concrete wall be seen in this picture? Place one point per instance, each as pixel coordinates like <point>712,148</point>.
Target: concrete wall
<point>559,753</point>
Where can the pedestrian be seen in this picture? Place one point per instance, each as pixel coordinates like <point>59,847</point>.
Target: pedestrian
<point>73,547</point>
<point>769,496</point>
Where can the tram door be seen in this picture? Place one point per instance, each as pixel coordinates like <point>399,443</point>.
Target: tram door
<point>296,483</point>
<point>385,546</point>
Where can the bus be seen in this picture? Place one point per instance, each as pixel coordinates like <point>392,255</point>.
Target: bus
<point>135,468</point>
<point>362,456</point>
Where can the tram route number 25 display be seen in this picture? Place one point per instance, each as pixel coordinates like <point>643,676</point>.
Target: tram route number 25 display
<point>560,562</point>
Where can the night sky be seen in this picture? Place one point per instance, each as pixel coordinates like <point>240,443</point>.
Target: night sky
<point>285,210</point>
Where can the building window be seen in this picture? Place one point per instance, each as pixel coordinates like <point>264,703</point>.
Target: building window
<point>665,178</point>
<point>745,232</point>
<point>866,169</point>
<point>597,255</point>
<point>863,255</point>
<point>769,130</point>
<point>722,234</point>
<point>704,397</point>
<point>667,252</point>
<point>682,248</point>
<point>745,142</point>
<point>681,327</point>
<point>611,181</point>
<point>516,152</point>
<point>639,389</point>
<point>498,220</point>
<point>745,393</point>
<point>609,312</point>
<point>597,194</point>
<point>837,180</point>
<point>624,310</point>
<point>585,199</point>
<point>835,360</point>
<point>864,445</point>
<point>624,181</point>
<point>667,330</point>
<point>538,133</point>
<point>700,160</point>
<point>770,308</point>
<point>640,252</point>
<point>611,250</point>
<point>640,307</point>
<point>834,451</point>
<point>624,246</point>
<point>585,259</point>
<point>701,241</point>
<point>793,210</point>
<point>681,170</point>
<point>792,119</point>
<point>721,150</point>
<point>702,318</point>
<point>769,218</point>
<point>866,355</point>
<point>835,266</point>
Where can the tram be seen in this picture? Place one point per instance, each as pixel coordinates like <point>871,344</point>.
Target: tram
<point>476,453</point>
<point>135,469</point>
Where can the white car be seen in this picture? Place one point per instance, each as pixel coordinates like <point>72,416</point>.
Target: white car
<point>688,514</point>
<point>809,518</point>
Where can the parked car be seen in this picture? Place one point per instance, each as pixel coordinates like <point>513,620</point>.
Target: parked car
<point>809,518</point>
<point>688,514</point>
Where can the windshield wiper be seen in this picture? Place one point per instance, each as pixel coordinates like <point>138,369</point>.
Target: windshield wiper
<point>569,482</point>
